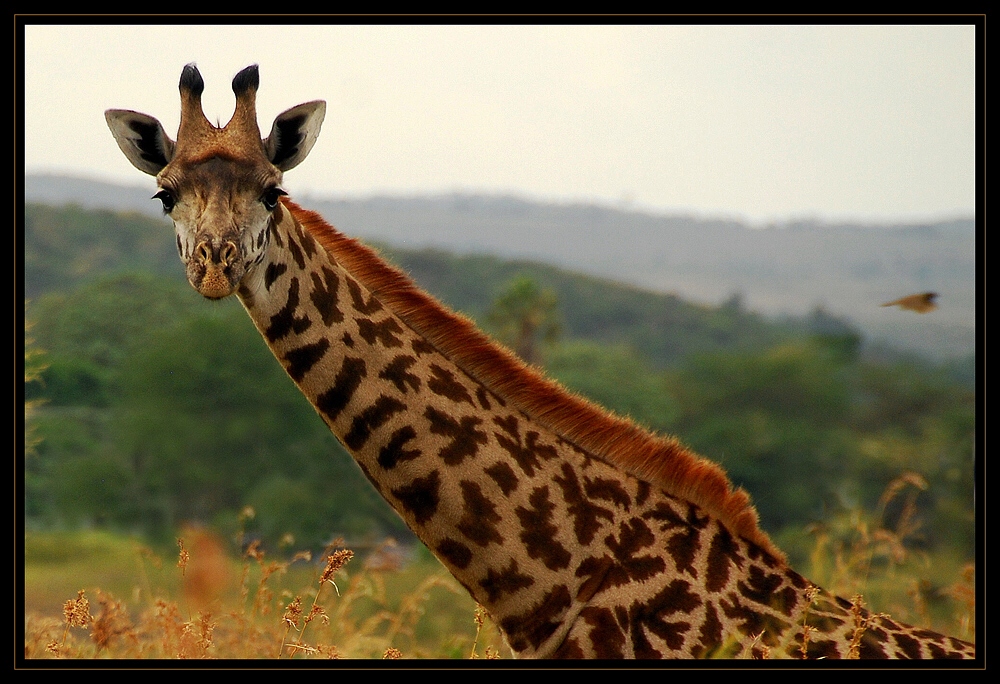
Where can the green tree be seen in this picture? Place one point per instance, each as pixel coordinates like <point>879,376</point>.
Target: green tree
<point>208,423</point>
<point>618,378</point>
<point>810,431</point>
<point>89,331</point>
<point>68,245</point>
<point>161,408</point>
<point>34,365</point>
<point>775,420</point>
<point>33,368</point>
<point>524,316</point>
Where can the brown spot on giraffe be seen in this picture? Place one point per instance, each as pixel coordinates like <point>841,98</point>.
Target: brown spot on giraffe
<point>385,332</point>
<point>421,347</point>
<point>650,618</point>
<point>484,398</point>
<point>723,553</point>
<point>710,634</point>
<point>528,452</point>
<point>371,419</point>
<point>443,383</point>
<point>298,361</point>
<point>454,552</point>
<point>296,252</point>
<point>607,490</point>
<point>505,581</point>
<point>272,273</point>
<point>395,451</point>
<point>465,437</point>
<point>421,497</point>
<point>634,536</point>
<point>332,401</point>
<point>362,305</point>
<point>767,589</point>
<point>538,531</point>
<point>504,476</point>
<point>286,321</point>
<point>607,640</point>
<point>480,518</point>
<point>540,622</point>
<point>397,372</point>
<point>587,516</point>
<point>324,296</point>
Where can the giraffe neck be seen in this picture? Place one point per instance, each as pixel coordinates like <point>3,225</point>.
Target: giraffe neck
<point>521,490</point>
<point>467,470</point>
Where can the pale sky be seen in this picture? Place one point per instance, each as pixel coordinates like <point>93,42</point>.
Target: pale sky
<point>755,122</point>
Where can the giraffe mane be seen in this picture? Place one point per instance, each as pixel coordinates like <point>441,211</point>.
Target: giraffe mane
<point>661,461</point>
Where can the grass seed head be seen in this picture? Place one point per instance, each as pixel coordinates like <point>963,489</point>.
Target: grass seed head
<point>77,611</point>
<point>183,557</point>
<point>254,551</point>
<point>293,612</point>
<point>335,562</point>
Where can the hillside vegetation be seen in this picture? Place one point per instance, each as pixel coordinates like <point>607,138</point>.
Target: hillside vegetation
<point>787,268</point>
<point>160,408</point>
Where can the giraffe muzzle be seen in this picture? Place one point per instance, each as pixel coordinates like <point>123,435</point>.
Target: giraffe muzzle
<point>215,270</point>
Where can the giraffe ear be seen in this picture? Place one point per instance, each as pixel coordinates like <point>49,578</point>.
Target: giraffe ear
<point>141,138</point>
<point>294,133</point>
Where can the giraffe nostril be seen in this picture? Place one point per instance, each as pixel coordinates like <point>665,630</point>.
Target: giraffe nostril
<point>229,253</point>
<point>203,251</point>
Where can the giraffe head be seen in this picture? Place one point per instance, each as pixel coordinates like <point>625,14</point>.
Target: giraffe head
<point>220,186</point>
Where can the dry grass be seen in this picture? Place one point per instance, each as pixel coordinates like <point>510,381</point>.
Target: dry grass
<point>257,607</point>
<point>861,554</point>
<point>207,604</point>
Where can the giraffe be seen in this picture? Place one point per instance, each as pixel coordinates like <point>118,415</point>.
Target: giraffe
<point>582,534</point>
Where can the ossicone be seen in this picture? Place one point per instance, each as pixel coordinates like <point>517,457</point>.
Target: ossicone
<point>247,79</point>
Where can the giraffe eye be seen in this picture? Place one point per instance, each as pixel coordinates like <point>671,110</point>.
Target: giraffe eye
<point>270,198</point>
<point>167,198</point>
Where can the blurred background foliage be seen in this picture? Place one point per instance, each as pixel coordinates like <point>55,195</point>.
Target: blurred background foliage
<point>148,407</point>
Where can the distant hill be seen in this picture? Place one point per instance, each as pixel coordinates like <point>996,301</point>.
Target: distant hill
<point>68,249</point>
<point>791,269</point>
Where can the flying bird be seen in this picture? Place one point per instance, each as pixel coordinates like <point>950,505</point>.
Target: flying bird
<point>921,303</point>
